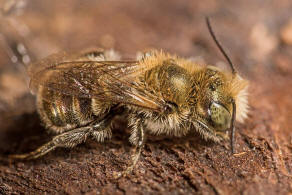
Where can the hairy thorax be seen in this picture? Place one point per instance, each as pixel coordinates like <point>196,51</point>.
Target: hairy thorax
<point>173,83</point>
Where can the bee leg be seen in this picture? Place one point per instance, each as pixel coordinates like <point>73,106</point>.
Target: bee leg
<point>71,138</point>
<point>137,138</point>
<point>102,129</point>
<point>68,140</point>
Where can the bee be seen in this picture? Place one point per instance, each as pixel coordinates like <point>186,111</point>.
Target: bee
<point>78,95</point>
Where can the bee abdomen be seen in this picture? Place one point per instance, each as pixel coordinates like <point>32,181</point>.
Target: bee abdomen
<point>62,112</point>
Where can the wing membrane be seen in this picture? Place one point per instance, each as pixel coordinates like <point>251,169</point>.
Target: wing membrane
<point>111,81</point>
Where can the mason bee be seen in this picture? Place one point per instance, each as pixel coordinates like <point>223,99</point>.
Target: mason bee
<point>78,96</point>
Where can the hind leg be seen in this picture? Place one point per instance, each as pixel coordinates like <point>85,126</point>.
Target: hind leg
<point>69,139</point>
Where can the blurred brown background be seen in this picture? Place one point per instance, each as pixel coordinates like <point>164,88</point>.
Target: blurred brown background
<point>257,35</point>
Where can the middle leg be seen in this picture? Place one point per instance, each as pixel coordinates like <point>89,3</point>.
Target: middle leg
<point>137,138</point>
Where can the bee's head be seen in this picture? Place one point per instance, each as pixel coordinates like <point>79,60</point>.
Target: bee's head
<point>215,109</point>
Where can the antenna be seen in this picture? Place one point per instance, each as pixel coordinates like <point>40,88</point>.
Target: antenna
<point>219,45</point>
<point>232,137</point>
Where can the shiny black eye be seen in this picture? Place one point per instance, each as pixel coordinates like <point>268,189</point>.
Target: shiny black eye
<point>215,84</point>
<point>212,87</point>
<point>170,107</point>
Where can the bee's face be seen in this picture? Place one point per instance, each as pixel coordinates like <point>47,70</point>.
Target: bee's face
<point>213,109</point>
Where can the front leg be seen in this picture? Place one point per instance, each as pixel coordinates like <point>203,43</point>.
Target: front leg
<point>137,138</point>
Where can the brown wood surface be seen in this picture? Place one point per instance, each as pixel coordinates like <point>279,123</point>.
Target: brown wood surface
<point>257,36</point>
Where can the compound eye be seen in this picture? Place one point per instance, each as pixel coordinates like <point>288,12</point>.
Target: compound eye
<point>220,116</point>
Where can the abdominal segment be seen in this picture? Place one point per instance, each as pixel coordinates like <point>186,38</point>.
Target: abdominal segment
<point>63,112</point>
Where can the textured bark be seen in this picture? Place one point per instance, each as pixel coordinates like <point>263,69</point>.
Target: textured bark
<point>256,38</point>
